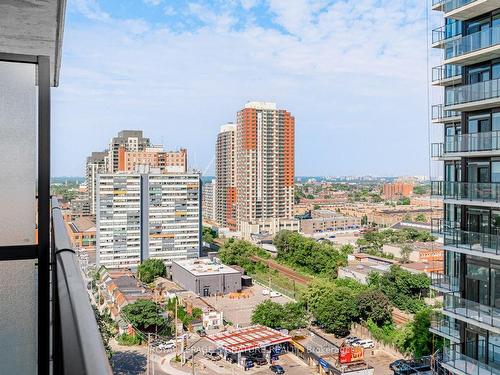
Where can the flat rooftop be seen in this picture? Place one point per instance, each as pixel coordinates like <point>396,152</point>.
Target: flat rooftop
<point>205,266</point>
<point>248,338</point>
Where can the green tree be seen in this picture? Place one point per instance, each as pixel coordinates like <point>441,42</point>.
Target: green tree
<point>421,218</point>
<point>239,252</point>
<point>144,315</point>
<point>274,315</point>
<point>404,289</point>
<point>309,256</point>
<point>375,305</point>
<point>151,269</point>
<point>406,250</point>
<point>336,310</point>
<point>421,342</point>
<point>209,235</point>
<point>404,201</point>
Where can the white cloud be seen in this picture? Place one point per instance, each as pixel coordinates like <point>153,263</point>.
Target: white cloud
<point>249,4</point>
<point>169,11</point>
<point>152,2</point>
<point>91,9</point>
<point>353,73</point>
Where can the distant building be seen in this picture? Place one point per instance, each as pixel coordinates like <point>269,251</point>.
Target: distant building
<point>142,216</point>
<point>397,190</point>
<point>127,140</point>
<point>209,200</point>
<point>82,232</point>
<point>225,175</point>
<point>327,220</point>
<point>153,158</point>
<point>265,165</point>
<point>96,163</point>
<point>206,277</point>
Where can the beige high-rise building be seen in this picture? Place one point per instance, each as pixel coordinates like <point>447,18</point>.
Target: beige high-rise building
<point>225,173</point>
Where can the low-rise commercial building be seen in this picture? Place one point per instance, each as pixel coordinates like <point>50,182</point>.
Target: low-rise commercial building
<point>82,232</point>
<point>206,277</point>
<point>327,220</point>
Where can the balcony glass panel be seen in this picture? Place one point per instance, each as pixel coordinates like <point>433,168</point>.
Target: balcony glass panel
<point>473,142</point>
<point>472,191</point>
<point>474,92</point>
<point>447,31</point>
<point>473,42</point>
<point>18,317</point>
<point>481,243</point>
<point>439,113</point>
<point>446,326</point>
<point>17,159</point>
<point>455,4</point>
<point>445,72</point>
<point>472,310</point>
<point>456,360</point>
<point>436,150</point>
<point>445,282</point>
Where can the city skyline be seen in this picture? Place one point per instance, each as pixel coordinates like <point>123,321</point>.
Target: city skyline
<point>106,85</point>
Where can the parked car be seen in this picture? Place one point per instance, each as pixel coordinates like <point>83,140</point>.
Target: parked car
<point>351,339</point>
<point>274,294</point>
<point>167,345</point>
<point>213,356</point>
<point>265,292</point>
<point>365,344</point>
<point>201,333</point>
<point>397,365</point>
<point>277,369</point>
<point>260,361</point>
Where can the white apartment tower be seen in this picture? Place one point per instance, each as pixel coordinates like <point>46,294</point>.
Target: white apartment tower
<point>142,216</point>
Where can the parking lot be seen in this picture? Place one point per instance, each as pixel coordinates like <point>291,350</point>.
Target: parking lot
<point>239,310</point>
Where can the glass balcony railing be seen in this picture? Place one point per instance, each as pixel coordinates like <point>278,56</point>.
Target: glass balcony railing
<point>436,150</point>
<point>441,114</point>
<point>474,92</point>
<point>474,142</point>
<point>440,73</point>
<point>474,242</point>
<point>445,32</point>
<point>437,2</point>
<point>472,310</point>
<point>451,5</point>
<point>463,364</point>
<point>472,42</point>
<point>445,326</point>
<point>445,282</point>
<point>471,191</point>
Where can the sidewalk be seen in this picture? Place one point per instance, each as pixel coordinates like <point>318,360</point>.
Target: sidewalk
<point>167,367</point>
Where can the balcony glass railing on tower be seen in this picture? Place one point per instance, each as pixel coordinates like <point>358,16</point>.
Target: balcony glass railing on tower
<point>451,5</point>
<point>471,191</point>
<point>444,72</point>
<point>459,363</point>
<point>475,311</point>
<point>445,32</point>
<point>441,114</point>
<point>473,142</point>
<point>474,92</point>
<point>445,326</point>
<point>479,244</point>
<point>444,282</point>
<point>488,37</point>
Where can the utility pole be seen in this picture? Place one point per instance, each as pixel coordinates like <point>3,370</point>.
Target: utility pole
<point>149,354</point>
<point>176,333</point>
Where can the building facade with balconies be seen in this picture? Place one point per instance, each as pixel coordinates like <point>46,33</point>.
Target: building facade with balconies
<point>470,119</point>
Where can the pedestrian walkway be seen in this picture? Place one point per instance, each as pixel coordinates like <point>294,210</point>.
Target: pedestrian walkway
<point>168,368</point>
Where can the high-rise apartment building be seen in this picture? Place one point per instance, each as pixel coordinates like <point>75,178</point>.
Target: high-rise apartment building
<point>127,140</point>
<point>265,166</point>
<point>96,163</point>
<point>225,175</point>
<point>470,120</point>
<point>153,157</point>
<point>142,216</point>
<point>209,200</point>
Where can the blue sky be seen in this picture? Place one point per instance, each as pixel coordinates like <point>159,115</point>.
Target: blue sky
<point>352,72</point>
